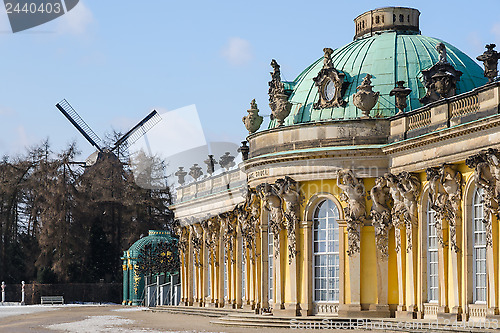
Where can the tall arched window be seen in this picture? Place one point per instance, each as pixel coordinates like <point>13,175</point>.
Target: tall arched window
<point>326,252</point>
<point>432,257</point>
<point>479,249</point>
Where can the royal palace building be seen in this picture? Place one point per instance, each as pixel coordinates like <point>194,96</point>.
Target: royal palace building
<point>374,192</point>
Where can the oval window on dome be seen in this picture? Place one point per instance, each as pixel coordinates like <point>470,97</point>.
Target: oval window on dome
<point>329,90</point>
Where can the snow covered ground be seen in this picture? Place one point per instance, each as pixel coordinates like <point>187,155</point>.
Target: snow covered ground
<point>104,324</point>
<point>15,310</point>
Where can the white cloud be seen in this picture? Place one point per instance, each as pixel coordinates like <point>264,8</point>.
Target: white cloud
<point>495,30</point>
<point>238,51</point>
<point>76,21</point>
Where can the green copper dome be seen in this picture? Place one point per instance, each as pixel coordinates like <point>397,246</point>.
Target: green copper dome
<point>389,56</point>
<point>154,237</point>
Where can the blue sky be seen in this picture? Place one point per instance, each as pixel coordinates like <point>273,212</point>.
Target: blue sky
<point>115,61</point>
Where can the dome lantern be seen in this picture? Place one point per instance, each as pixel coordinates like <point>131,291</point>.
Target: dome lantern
<point>387,19</point>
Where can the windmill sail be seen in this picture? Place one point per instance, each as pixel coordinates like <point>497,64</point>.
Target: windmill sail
<point>77,121</point>
<point>138,130</point>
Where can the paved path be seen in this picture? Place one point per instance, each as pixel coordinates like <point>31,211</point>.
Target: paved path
<point>108,318</point>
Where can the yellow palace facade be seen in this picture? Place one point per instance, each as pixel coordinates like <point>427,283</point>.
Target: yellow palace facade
<point>373,193</point>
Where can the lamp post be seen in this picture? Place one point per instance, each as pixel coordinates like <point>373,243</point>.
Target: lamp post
<point>22,293</point>
<point>3,292</point>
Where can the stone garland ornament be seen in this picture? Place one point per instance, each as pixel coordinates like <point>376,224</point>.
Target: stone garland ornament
<point>445,195</point>
<point>278,99</point>
<point>404,189</point>
<point>401,93</point>
<point>331,84</point>
<point>272,203</point>
<point>289,193</point>
<point>353,192</point>
<point>441,79</point>
<point>253,120</point>
<point>380,215</point>
<point>365,99</point>
<point>486,165</point>
<point>490,60</point>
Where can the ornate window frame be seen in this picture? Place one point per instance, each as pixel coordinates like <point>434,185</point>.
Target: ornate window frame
<point>323,308</point>
<point>471,309</point>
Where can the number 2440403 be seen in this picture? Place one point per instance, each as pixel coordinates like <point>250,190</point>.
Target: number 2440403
<point>33,8</point>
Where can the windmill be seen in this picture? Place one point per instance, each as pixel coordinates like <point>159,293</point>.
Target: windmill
<point>124,142</point>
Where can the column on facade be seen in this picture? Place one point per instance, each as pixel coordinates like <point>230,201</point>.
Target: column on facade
<point>126,285</point>
<point>263,273</point>
<point>307,268</point>
<point>293,306</point>
<point>238,302</point>
<point>354,264</point>
<point>132,283</point>
<point>382,256</point>
<point>279,254</point>
<point>411,262</point>
<point>206,269</point>
<point>491,266</point>
<point>401,261</point>
<point>456,264</point>
<point>220,270</point>
<point>189,271</point>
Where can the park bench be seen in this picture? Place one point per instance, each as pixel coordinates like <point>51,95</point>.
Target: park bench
<point>52,299</point>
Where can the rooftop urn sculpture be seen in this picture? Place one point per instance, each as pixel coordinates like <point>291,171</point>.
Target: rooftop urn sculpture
<point>490,60</point>
<point>195,171</point>
<point>181,174</point>
<point>400,92</point>
<point>244,150</point>
<point>210,162</point>
<point>278,99</point>
<point>441,79</point>
<point>227,161</point>
<point>365,99</point>
<point>253,120</point>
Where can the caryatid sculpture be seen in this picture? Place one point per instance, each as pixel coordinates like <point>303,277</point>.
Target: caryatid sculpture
<point>197,241</point>
<point>290,195</point>
<point>409,189</point>
<point>248,213</point>
<point>211,226</point>
<point>353,192</point>
<point>487,176</point>
<point>404,189</point>
<point>381,215</point>
<point>451,179</point>
<point>272,202</point>
<point>445,194</point>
